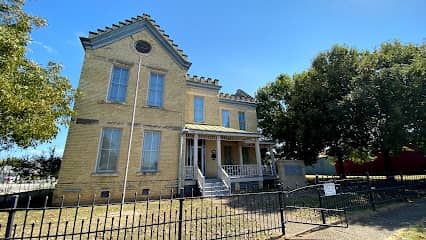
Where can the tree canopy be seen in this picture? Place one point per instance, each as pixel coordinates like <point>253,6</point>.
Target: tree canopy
<point>350,103</point>
<point>34,100</point>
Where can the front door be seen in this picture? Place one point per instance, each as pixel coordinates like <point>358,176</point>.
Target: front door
<point>201,151</point>
<point>227,155</point>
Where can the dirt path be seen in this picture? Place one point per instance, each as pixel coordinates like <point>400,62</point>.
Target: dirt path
<point>367,224</point>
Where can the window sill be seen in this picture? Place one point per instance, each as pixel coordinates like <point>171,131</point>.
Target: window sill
<point>154,107</point>
<point>105,174</point>
<point>114,103</point>
<point>147,173</point>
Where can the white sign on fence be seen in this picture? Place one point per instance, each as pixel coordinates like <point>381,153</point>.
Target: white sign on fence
<point>329,189</point>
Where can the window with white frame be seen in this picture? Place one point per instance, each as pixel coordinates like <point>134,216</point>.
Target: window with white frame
<point>198,109</point>
<point>225,118</point>
<point>109,150</point>
<point>151,151</point>
<point>242,120</point>
<point>155,90</point>
<point>118,84</point>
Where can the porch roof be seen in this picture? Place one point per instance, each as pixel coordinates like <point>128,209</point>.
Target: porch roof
<point>218,130</point>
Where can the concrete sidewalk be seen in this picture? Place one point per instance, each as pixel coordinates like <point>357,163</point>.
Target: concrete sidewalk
<point>366,224</point>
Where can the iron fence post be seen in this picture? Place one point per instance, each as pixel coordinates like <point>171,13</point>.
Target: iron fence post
<point>281,202</point>
<point>181,200</point>
<point>321,205</point>
<point>11,217</point>
<point>372,202</point>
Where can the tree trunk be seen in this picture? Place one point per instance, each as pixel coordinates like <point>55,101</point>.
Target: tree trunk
<point>387,162</point>
<point>341,166</point>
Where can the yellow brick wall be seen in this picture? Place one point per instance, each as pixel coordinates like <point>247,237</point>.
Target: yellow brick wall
<point>211,105</point>
<point>213,109</point>
<point>78,175</point>
<point>250,113</point>
<point>78,167</point>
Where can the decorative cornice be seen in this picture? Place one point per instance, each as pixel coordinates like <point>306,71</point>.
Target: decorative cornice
<point>202,82</point>
<point>236,99</point>
<point>229,101</point>
<point>131,26</point>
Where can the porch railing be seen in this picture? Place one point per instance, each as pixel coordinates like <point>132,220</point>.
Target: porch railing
<point>189,172</point>
<point>200,180</point>
<point>225,178</point>
<point>268,170</point>
<point>247,170</point>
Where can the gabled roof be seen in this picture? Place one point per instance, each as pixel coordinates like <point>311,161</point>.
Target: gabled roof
<point>131,26</point>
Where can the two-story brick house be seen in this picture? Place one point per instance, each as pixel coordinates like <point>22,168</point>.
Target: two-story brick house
<point>140,113</point>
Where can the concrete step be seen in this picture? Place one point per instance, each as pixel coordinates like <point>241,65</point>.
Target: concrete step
<point>215,187</point>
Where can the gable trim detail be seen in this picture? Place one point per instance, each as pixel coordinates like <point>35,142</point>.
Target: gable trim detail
<point>128,30</point>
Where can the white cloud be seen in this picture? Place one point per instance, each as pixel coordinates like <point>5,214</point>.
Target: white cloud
<point>75,40</point>
<point>48,48</point>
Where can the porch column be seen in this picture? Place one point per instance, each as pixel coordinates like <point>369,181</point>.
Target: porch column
<point>195,156</point>
<point>259,163</point>
<point>240,148</point>
<point>271,152</point>
<point>218,154</point>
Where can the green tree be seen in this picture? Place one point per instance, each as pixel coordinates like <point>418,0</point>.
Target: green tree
<point>34,101</point>
<point>393,78</point>
<point>48,164</point>
<point>351,103</point>
<point>318,113</point>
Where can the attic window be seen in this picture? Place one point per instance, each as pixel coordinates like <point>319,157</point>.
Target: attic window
<point>143,46</point>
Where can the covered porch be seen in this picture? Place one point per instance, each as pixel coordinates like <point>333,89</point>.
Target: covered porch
<point>230,155</point>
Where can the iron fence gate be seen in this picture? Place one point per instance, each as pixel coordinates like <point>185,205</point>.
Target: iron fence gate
<point>305,205</point>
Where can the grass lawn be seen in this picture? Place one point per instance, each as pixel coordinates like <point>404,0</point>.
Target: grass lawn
<point>211,218</point>
<point>417,232</point>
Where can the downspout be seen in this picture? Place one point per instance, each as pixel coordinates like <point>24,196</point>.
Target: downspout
<point>131,131</point>
<point>180,169</point>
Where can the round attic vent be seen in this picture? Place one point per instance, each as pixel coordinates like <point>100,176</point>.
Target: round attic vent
<point>143,46</point>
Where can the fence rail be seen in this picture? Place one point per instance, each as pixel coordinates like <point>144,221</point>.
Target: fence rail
<point>238,216</point>
<point>249,215</point>
<point>26,186</point>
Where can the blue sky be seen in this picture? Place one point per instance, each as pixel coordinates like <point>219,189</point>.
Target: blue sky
<point>243,43</point>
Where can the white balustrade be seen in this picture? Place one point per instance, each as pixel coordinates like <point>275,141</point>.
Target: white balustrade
<point>247,170</point>
<point>225,178</point>
<point>200,180</point>
<point>189,172</point>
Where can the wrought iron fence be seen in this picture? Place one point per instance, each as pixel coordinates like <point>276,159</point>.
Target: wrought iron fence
<point>238,216</point>
<point>248,215</point>
<point>372,190</point>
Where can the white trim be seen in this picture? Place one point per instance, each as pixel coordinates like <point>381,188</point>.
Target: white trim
<point>204,117</point>
<point>221,117</point>
<point>99,149</point>
<point>113,65</point>
<point>232,134</point>
<point>159,152</point>
<point>163,90</point>
<point>109,82</point>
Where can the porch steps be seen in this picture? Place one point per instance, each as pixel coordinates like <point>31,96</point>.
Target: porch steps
<point>214,187</point>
